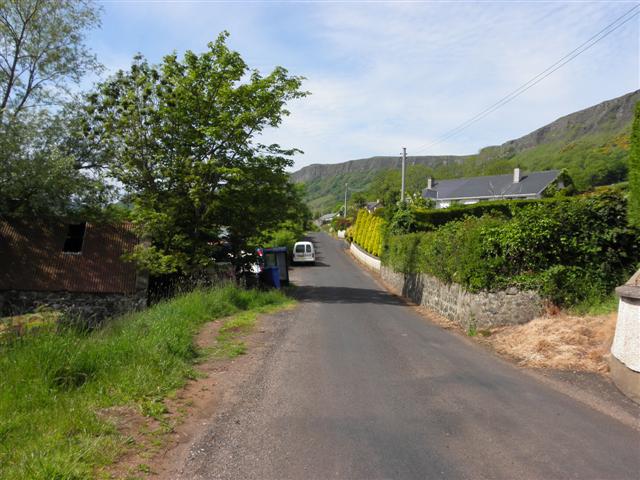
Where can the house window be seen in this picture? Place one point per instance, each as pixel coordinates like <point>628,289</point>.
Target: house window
<point>75,238</point>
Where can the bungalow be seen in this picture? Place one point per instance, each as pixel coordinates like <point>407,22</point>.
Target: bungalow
<point>373,206</point>
<point>76,268</point>
<point>467,191</point>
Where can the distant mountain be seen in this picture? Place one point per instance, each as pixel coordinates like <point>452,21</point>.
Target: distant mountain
<point>591,143</point>
<point>323,170</point>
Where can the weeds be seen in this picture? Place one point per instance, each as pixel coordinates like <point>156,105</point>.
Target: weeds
<point>55,382</point>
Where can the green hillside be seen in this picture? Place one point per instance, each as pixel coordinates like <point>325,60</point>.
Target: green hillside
<point>594,160</point>
<point>592,144</point>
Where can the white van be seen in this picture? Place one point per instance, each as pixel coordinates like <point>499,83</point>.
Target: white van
<point>303,252</point>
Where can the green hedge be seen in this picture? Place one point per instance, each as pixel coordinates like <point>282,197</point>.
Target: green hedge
<point>634,171</point>
<point>571,250</point>
<point>430,219</point>
<point>368,232</point>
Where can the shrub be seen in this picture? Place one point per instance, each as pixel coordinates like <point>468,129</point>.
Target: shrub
<point>368,232</point>
<point>571,250</point>
<point>634,171</point>
<point>430,219</point>
<point>283,238</point>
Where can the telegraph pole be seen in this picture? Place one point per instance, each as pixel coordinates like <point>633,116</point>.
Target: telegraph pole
<point>346,188</point>
<point>404,160</point>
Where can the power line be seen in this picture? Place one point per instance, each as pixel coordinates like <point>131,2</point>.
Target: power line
<point>606,31</point>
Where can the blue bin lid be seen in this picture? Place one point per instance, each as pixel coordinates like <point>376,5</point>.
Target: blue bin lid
<point>275,250</point>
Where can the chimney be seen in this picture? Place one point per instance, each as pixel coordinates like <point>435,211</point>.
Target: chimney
<point>516,175</point>
<point>429,183</point>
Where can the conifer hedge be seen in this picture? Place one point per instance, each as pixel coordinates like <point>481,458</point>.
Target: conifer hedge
<point>368,232</point>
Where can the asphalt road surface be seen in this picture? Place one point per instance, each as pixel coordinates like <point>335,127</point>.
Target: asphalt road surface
<point>361,387</point>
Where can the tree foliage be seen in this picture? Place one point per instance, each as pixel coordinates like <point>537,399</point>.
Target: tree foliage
<point>634,171</point>
<point>47,168</point>
<point>41,50</point>
<point>182,136</point>
<point>368,232</point>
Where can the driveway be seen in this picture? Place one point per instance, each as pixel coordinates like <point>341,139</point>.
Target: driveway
<point>361,387</point>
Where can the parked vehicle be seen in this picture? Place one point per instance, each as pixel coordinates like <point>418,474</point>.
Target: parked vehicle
<point>303,252</point>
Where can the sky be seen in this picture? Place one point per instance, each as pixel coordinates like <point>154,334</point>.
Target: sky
<point>387,75</point>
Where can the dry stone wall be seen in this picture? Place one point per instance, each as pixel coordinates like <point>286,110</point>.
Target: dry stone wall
<point>92,308</point>
<point>483,309</point>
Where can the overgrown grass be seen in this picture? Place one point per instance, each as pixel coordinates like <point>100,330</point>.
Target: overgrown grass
<point>54,381</point>
<point>596,306</point>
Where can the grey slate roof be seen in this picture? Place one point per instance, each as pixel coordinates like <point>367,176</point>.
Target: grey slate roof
<point>493,186</point>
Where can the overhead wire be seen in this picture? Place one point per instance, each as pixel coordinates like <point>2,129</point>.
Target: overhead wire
<point>593,40</point>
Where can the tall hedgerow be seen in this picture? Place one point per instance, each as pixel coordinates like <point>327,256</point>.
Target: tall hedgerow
<point>573,251</point>
<point>634,171</point>
<point>367,232</point>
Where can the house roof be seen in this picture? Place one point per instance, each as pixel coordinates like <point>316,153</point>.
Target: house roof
<point>32,258</point>
<point>328,216</point>
<point>493,186</point>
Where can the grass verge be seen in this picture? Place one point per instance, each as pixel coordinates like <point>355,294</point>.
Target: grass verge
<point>55,382</point>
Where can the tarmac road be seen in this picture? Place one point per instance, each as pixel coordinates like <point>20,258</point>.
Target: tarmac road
<point>361,387</point>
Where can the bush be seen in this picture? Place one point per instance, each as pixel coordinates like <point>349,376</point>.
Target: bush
<point>634,171</point>
<point>430,219</point>
<point>452,253</point>
<point>368,232</point>
<point>340,223</point>
<point>283,238</point>
<point>571,250</point>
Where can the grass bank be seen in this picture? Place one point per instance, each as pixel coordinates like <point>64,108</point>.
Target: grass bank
<point>55,382</point>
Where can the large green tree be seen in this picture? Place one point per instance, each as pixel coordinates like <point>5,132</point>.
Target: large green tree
<point>46,165</point>
<point>42,51</point>
<point>46,168</point>
<point>634,171</point>
<point>182,136</point>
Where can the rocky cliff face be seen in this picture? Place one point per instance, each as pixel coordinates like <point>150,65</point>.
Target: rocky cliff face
<point>607,117</point>
<point>312,172</point>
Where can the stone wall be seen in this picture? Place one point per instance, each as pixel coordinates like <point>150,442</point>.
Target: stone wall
<point>484,309</point>
<point>364,257</point>
<point>90,307</point>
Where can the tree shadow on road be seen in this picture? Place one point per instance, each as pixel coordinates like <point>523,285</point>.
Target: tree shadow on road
<point>344,295</point>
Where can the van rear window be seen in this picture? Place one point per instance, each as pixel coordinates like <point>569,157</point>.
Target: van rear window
<point>299,248</point>
<point>308,248</point>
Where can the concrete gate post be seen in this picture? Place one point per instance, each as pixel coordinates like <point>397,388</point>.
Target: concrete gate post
<point>624,361</point>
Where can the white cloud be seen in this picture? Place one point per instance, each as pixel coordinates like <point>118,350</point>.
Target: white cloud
<point>387,75</point>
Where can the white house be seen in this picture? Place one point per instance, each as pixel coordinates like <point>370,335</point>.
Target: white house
<point>471,190</point>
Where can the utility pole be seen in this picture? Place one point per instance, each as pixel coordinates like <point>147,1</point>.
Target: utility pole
<point>346,188</point>
<point>404,160</point>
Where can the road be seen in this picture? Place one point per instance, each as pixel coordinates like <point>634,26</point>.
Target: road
<point>361,387</point>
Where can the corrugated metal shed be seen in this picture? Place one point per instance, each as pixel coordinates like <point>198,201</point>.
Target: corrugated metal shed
<point>32,258</point>
<point>493,186</point>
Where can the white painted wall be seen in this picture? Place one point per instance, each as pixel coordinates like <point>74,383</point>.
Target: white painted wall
<point>626,342</point>
<point>365,258</point>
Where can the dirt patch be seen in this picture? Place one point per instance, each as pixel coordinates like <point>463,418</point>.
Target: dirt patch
<point>561,342</point>
<point>158,445</point>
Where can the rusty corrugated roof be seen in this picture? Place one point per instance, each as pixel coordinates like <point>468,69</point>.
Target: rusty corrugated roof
<point>32,258</point>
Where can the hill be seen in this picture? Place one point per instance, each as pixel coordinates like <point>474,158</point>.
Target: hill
<point>592,144</point>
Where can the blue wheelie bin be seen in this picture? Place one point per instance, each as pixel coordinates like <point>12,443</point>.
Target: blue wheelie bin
<point>272,276</point>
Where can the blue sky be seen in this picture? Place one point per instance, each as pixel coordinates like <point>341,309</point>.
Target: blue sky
<point>384,75</point>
